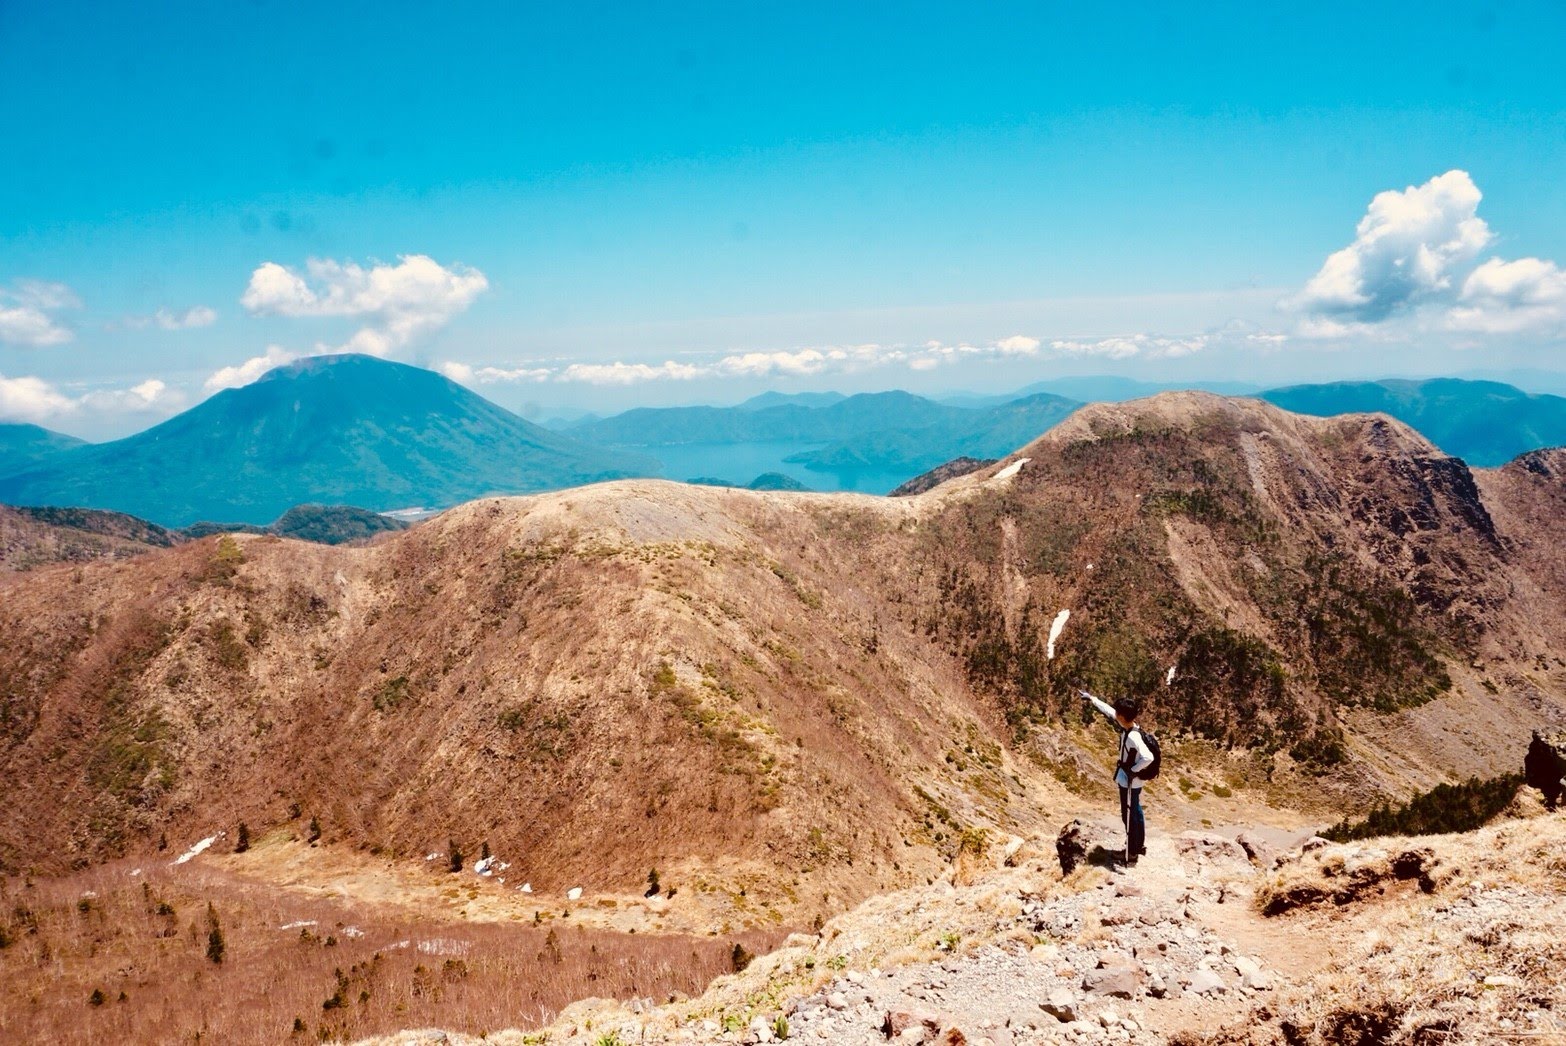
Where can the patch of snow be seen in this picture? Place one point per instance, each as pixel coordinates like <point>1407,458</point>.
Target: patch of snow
<point>483,865</point>
<point>574,894</point>
<point>433,857</point>
<point>1055,629</point>
<point>399,944</point>
<point>525,888</point>
<point>299,924</point>
<point>443,946</point>
<point>1169,676</point>
<point>1012,469</point>
<point>197,849</point>
<point>353,932</point>
<point>135,872</point>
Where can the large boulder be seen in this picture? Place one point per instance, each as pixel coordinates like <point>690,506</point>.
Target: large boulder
<point>1545,764</point>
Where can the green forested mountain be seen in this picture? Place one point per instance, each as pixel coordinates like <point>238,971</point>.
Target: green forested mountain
<point>1485,423</point>
<point>25,446</point>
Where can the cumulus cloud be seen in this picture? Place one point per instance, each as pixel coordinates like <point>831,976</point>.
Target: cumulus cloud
<point>1503,297</point>
<point>400,302</point>
<point>31,399</point>
<point>34,400</point>
<point>175,320</point>
<point>1416,258</point>
<point>248,371</point>
<point>27,313</point>
<point>1410,247</point>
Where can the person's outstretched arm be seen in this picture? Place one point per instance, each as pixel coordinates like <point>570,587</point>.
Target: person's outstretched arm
<point>1101,705</point>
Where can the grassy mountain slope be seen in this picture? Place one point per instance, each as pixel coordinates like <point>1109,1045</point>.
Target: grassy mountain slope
<point>331,429</point>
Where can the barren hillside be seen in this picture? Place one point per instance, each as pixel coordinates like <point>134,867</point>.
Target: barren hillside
<point>788,702</point>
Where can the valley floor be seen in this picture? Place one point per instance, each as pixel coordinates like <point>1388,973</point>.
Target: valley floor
<point>1446,939</point>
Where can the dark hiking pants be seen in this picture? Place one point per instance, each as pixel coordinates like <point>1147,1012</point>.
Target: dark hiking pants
<point>1131,817</point>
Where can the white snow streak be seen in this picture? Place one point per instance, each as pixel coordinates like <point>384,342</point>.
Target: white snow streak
<point>1012,469</point>
<point>1055,629</point>
<point>194,850</point>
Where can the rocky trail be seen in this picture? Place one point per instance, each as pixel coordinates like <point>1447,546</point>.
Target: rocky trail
<point>1446,939</point>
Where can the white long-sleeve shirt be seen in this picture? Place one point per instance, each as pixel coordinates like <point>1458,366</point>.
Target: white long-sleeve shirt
<point>1130,741</point>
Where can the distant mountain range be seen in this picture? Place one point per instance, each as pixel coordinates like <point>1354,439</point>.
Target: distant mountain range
<point>352,430</point>
<point>914,448</point>
<point>1485,423</point>
<point>331,429</point>
<point>886,431</point>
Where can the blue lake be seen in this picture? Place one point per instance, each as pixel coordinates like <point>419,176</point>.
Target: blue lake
<point>740,463</point>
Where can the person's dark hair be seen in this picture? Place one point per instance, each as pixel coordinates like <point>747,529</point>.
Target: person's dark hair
<point>1128,708</point>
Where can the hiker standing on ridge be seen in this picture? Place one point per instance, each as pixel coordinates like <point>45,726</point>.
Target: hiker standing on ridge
<point>1135,757</point>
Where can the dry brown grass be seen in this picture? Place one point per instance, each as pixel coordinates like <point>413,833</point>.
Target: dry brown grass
<point>355,969</point>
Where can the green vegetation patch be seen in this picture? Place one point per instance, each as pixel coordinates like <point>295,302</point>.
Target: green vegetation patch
<point>1445,808</point>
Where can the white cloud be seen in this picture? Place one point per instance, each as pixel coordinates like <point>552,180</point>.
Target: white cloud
<point>171,320</point>
<point>31,399</point>
<point>1409,248</point>
<point>27,311</point>
<point>1132,346</point>
<point>1414,268</point>
<point>631,373</point>
<point>466,374</point>
<point>835,359</point>
<point>1502,297</point>
<point>35,400</point>
<point>150,395</point>
<point>403,302</point>
<point>248,371</point>
<point>1018,345</point>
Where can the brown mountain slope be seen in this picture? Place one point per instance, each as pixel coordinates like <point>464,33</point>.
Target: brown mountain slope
<point>33,537</point>
<point>1294,572</point>
<point>817,694</point>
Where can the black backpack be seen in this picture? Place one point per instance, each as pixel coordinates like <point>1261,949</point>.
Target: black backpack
<point>1151,771</point>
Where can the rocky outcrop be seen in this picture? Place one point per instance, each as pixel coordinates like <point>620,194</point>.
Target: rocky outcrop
<point>1545,765</point>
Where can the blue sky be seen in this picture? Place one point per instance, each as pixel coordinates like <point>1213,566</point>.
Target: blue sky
<point>593,206</point>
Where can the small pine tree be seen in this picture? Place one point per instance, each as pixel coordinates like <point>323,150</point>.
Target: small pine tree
<point>740,957</point>
<point>243,842</point>
<point>454,857</point>
<point>653,886</point>
<point>163,841</point>
<point>215,945</point>
<point>96,998</point>
<point>484,850</point>
<point>315,828</point>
